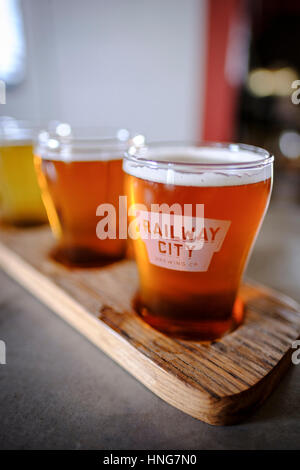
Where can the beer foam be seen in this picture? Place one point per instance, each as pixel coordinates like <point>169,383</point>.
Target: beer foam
<point>82,157</point>
<point>16,143</point>
<point>85,152</point>
<point>16,137</point>
<point>68,144</point>
<point>224,174</point>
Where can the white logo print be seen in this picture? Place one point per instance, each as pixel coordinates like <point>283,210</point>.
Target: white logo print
<point>189,249</point>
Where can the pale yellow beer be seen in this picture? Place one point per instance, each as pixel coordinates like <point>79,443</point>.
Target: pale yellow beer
<point>20,197</point>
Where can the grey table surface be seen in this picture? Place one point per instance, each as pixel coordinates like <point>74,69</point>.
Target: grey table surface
<point>58,391</point>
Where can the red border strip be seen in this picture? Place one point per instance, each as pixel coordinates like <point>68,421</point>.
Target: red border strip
<point>220,96</point>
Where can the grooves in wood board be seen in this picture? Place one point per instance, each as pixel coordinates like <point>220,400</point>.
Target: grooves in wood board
<point>219,382</point>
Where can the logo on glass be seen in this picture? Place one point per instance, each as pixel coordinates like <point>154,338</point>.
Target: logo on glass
<point>181,243</point>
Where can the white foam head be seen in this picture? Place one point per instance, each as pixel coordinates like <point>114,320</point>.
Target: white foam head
<point>82,145</point>
<point>84,152</point>
<point>230,165</point>
<point>12,133</point>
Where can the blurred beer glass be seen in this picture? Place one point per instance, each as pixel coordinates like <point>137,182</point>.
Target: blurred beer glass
<point>189,279</point>
<point>20,198</point>
<point>79,169</point>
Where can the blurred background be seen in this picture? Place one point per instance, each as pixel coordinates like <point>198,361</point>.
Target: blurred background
<point>225,70</point>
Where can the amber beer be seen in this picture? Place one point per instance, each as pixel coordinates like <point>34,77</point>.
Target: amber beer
<point>193,294</point>
<point>76,176</point>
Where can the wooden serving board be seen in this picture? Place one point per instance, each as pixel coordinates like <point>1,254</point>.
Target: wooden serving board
<point>218,382</point>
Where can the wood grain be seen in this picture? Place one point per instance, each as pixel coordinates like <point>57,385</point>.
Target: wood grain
<point>219,382</point>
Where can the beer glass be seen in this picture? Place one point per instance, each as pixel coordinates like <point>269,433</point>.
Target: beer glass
<point>78,170</point>
<point>188,280</point>
<point>20,198</point>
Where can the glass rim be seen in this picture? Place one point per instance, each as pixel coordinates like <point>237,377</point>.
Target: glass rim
<point>17,131</point>
<point>68,141</point>
<point>133,155</point>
